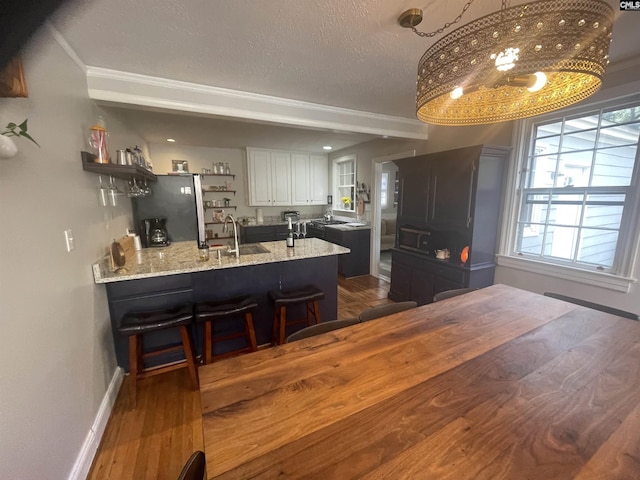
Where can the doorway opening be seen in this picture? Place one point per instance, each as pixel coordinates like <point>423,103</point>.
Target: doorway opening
<point>384,207</point>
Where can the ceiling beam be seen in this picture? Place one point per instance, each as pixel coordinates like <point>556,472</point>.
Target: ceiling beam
<point>133,89</point>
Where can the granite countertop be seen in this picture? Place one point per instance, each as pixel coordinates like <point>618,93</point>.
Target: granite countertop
<point>182,257</point>
<point>350,226</point>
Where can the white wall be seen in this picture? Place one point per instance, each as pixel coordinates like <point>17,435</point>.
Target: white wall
<point>204,157</point>
<point>56,346</point>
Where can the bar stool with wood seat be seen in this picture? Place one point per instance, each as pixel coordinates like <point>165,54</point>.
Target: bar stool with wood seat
<point>308,295</point>
<point>222,310</point>
<point>136,324</point>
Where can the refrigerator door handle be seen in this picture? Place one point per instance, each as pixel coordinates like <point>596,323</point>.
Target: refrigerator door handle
<point>197,186</point>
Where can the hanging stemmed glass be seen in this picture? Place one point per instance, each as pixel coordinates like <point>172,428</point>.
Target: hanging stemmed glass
<point>114,191</point>
<point>103,193</point>
<point>145,189</point>
<point>134,190</point>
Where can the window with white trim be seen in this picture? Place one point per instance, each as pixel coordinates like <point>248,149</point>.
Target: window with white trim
<point>344,175</point>
<point>578,192</point>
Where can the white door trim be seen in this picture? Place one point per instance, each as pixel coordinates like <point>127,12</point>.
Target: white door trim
<point>376,206</point>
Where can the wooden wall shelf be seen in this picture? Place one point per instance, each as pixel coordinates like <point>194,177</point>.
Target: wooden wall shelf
<point>124,172</point>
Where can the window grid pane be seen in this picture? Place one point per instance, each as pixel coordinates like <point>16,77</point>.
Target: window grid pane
<point>577,186</point>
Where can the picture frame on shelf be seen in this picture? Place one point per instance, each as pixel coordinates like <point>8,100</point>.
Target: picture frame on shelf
<point>180,166</point>
<point>218,215</point>
<point>12,81</point>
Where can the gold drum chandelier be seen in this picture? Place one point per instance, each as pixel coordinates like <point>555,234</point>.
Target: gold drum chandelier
<point>517,62</point>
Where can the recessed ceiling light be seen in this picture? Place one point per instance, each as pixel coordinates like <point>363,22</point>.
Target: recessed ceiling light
<point>327,147</point>
<point>170,140</point>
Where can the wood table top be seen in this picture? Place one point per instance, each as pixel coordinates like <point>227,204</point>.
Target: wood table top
<point>496,384</point>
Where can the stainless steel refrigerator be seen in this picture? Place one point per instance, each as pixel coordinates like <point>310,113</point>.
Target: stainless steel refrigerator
<point>178,198</point>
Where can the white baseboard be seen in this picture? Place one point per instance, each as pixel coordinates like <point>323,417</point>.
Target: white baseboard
<point>90,446</point>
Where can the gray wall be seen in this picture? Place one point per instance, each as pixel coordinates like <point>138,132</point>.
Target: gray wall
<point>56,345</point>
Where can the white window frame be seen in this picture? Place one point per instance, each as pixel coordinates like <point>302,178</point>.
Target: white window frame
<point>341,183</point>
<point>627,250</point>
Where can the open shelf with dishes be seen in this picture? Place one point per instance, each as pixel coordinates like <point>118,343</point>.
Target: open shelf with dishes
<point>124,172</point>
<point>218,175</point>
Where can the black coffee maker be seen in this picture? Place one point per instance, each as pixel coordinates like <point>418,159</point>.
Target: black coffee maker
<point>154,232</point>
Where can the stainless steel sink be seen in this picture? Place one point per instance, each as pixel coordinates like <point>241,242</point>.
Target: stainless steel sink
<point>251,249</point>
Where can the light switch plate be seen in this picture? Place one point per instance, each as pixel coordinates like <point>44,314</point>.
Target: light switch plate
<point>68,237</point>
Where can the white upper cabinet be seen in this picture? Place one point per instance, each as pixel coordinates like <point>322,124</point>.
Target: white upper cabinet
<point>269,175</point>
<point>309,179</point>
<point>279,178</point>
<point>318,179</point>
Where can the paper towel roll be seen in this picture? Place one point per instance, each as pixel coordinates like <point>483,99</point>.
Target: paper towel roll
<point>259,218</point>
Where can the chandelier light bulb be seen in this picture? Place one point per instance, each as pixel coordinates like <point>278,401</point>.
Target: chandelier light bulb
<point>539,83</point>
<point>456,93</point>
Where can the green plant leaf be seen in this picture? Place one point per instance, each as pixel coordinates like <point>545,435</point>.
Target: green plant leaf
<point>23,125</point>
<point>26,135</point>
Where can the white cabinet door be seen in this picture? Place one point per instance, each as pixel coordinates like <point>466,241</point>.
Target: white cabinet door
<point>259,177</point>
<point>281,178</point>
<point>318,179</point>
<point>299,179</point>
<point>269,177</point>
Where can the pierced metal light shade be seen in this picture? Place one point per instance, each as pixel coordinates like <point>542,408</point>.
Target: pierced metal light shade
<point>495,61</point>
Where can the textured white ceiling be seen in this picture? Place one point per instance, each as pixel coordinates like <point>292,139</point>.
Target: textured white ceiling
<point>346,53</point>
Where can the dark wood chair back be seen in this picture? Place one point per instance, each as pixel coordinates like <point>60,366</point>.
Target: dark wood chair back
<point>595,306</point>
<point>384,310</point>
<point>451,293</point>
<point>195,467</point>
<point>319,328</point>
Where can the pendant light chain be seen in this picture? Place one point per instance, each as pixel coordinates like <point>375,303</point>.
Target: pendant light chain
<point>448,24</point>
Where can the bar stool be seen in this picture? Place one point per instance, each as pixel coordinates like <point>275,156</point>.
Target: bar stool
<point>216,311</point>
<point>136,324</point>
<point>309,295</point>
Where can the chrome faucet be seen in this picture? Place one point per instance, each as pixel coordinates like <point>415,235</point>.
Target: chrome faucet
<point>236,249</point>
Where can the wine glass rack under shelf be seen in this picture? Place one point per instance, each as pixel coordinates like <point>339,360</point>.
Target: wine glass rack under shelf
<point>124,172</point>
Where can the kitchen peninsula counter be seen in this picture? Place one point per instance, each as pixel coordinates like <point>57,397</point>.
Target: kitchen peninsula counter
<point>158,278</point>
<point>182,257</point>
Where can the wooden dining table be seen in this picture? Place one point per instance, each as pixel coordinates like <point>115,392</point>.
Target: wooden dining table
<point>499,383</point>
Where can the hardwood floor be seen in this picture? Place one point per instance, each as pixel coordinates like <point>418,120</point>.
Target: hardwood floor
<point>359,293</point>
<point>156,439</point>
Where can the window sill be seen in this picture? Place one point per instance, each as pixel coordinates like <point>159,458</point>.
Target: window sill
<point>597,279</point>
